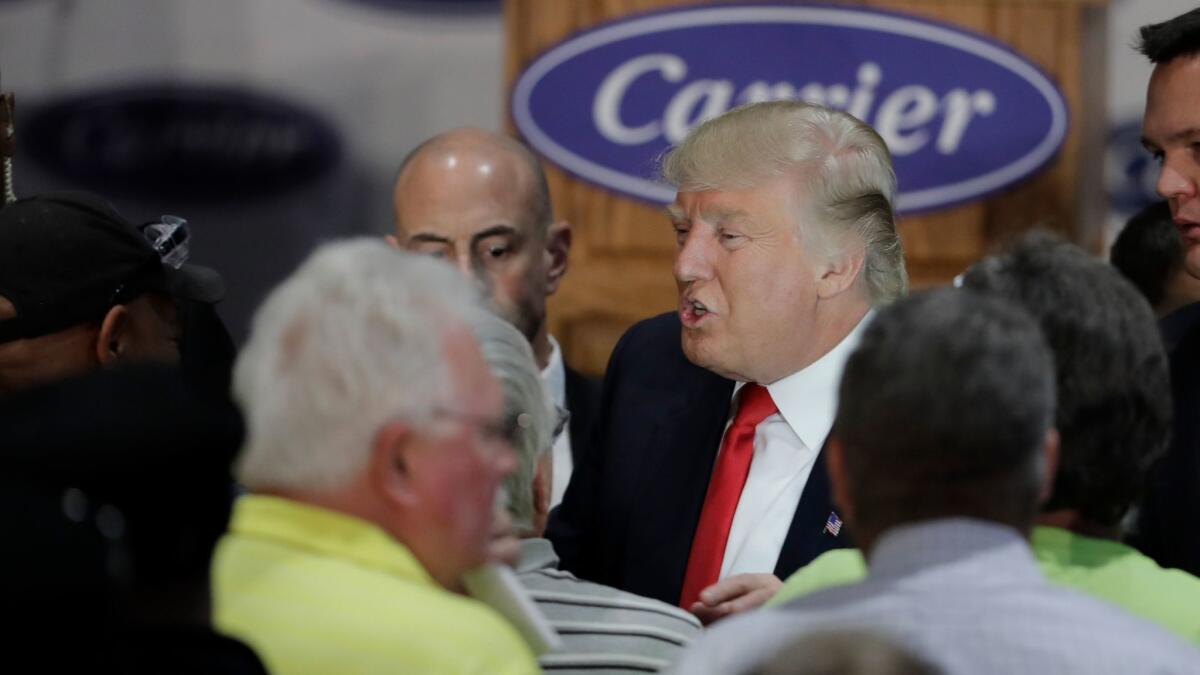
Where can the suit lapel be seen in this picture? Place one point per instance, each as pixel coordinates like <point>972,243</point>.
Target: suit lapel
<point>678,463</point>
<point>806,538</point>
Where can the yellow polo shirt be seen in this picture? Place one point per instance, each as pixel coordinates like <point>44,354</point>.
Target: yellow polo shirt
<point>315,591</point>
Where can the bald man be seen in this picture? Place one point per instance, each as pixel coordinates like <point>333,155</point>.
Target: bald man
<point>479,200</point>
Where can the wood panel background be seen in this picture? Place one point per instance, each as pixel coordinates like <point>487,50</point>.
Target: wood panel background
<point>621,257</point>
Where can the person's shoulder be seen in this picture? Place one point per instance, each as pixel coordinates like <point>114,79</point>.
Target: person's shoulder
<point>606,604</point>
<point>484,641</point>
<point>1135,582</point>
<point>739,642</point>
<point>832,568</point>
<point>444,632</point>
<point>1141,639</point>
<point>660,333</point>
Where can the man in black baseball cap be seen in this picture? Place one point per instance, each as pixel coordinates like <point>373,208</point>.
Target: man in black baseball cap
<point>81,287</point>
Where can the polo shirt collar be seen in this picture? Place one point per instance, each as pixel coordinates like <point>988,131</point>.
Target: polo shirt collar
<point>536,554</point>
<point>325,532</point>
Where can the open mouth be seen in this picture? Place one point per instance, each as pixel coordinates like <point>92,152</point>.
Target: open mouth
<point>692,312</point>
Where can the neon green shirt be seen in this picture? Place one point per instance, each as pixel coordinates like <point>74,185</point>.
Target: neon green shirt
<point>1103,569</point>
<point>315,591</point>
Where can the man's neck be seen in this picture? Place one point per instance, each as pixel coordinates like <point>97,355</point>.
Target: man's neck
<point>831,328</point>
<point>541,347</point>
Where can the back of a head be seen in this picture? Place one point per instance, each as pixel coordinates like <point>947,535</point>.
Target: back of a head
<point>528,411</point>
<point>943,411</point>
<point>1148,251</point>
<point>847,652</point>
<point>1165,41</point>
<point>1114,406</point>
<point>350,341</point>
<point>840,164</point>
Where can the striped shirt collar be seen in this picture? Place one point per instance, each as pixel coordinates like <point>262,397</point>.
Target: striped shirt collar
<point>536,554</point>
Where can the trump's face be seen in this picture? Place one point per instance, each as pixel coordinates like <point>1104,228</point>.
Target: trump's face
<point>747,284</point>
<point>1171,132</point>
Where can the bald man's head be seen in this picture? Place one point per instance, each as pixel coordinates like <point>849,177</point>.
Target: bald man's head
<point>479,200</point>
<point>514,156</point>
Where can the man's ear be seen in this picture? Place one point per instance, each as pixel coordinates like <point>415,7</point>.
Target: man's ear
<point>558,250</point>
<point>839,484</point>
<point>113,339</point>
<point>839,272</point>
<point>391,465</point>
<point>392,240</point>
<point>543,480</point>
<point>1049,458</point>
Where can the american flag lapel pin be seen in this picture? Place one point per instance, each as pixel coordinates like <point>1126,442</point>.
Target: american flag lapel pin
<point>833,525</point>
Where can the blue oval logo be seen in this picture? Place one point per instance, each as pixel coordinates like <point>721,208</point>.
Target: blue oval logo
<point>180,142</point>
<point>963,115</point>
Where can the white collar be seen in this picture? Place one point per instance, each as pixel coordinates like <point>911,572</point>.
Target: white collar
<point>554,375</point>
<point>807,399</point>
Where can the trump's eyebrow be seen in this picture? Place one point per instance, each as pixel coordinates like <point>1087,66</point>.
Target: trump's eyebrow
<point>675,213</point>
<point>714,214</point>
<point>721,214</point>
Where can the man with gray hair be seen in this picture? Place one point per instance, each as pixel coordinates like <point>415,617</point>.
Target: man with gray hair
<point>602,628</point>
<point>375,444</point>
<point>707,481</point>
<point>942,451</point>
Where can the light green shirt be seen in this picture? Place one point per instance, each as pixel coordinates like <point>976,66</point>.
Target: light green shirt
<point>314,592</point>
<point>1103,569</point>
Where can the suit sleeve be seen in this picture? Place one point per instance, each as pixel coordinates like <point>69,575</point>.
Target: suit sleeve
<point>576,526</point>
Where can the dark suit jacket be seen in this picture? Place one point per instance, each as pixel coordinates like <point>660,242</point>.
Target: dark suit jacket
<point>1171,507</point>
<point>583,401</point>
<point>630,512</point>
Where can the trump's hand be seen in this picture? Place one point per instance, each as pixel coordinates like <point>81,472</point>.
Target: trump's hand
<point>736,594</point>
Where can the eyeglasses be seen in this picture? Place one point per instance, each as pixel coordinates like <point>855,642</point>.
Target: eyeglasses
<point>492,431</point>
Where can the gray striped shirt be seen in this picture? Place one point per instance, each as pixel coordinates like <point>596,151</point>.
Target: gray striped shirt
<point>604,630</point>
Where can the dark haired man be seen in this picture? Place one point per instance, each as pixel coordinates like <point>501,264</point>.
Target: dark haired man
<point>1171,131</point>
<point>1113,418</point>
<point>943,448</point>
<point>1171,126</point>
<point>1149,252</point>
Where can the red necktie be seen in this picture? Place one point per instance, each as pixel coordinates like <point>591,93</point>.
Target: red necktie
<point>724,491</point>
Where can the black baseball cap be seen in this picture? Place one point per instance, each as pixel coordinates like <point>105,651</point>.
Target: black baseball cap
<point>66,258</point>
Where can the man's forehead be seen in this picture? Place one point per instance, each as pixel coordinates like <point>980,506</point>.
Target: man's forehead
<point>725,206</point>
<point>461,203</point>
<point>1173,100</point>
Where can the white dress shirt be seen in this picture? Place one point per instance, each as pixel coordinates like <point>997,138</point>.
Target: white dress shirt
<point>554,378</point>
<point>786,445</point>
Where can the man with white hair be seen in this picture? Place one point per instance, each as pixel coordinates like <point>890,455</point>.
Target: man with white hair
<point>375,444</point>
<point>602,628</point>
<point>707,481</point>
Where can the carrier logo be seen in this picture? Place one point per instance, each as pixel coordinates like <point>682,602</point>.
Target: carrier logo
<point>962,115</point>
<point>181,142</point>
